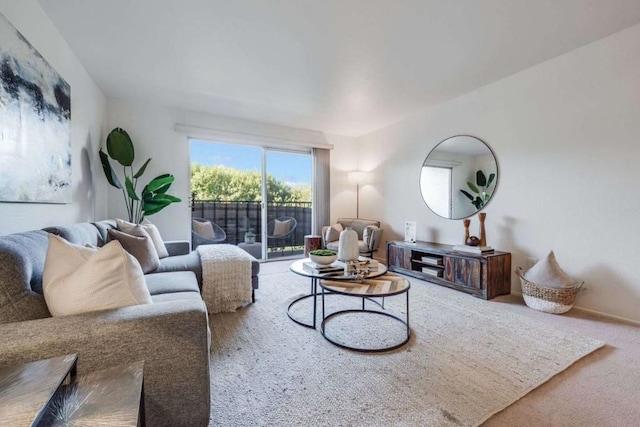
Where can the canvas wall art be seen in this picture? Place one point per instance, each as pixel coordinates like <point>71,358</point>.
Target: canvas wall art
<point>35,124</point>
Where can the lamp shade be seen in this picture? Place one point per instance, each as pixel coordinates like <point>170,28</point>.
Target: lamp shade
<point>359,177</point>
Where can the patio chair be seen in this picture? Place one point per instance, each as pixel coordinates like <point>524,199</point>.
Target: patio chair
<point>206,232</point>
<point>281,232</point>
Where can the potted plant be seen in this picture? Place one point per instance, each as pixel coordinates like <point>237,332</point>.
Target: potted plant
<point>154,195</point>
<point>249,236</point>
<point>480,188</point>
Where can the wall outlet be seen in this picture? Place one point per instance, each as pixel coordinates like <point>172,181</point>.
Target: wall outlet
<point>531,262</point>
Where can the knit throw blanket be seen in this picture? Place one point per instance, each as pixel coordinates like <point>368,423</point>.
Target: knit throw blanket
<point>226,277</point>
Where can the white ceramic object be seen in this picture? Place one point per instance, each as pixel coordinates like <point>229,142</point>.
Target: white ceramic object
<point>348,245</point>
<point>322,259</point>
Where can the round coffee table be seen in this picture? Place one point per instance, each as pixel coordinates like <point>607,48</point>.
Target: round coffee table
<point>380,287</point>
<point>299,268</point>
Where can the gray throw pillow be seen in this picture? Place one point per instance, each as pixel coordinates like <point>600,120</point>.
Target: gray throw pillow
<point>141,248</point>
<point>151,229</point>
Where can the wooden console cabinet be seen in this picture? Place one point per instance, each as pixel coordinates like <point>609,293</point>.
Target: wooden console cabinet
<point>484,276</point>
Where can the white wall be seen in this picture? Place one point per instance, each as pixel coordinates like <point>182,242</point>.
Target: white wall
<point>566,135</point>
<point>152,129</point>
<point>88,118</point>
<point>344,159</point>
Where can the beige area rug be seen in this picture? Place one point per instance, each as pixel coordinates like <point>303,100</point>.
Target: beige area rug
<point>467,359</point>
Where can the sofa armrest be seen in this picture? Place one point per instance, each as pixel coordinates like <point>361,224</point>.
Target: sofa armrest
<point>178,247</point>
<point>172,338</point>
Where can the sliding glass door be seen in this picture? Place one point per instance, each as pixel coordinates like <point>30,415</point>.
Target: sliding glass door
<point>288,194</point>
<point>259,197</point>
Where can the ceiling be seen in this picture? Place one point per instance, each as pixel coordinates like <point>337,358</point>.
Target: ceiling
<point>339,66</point>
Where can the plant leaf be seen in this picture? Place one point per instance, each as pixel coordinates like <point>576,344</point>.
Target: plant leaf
<point>120,147</point>
<point>155,206</point>
<point>112,178</point>
<point>478,203</point>
<point>481,179</point>
<point>466,193</point>
<point>491,178</point>
<point>169,197</point>
<point>131,192</point>
<point>142,169</point>
<point>159,184</point>
<point>473,187</point>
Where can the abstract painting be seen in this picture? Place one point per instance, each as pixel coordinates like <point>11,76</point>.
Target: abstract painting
<point>35,123</point>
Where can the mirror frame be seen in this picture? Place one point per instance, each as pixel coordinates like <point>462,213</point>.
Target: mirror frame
<point>495,185</point>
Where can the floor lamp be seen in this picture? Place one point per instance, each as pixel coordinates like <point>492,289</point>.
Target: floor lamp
<point>358,178</point>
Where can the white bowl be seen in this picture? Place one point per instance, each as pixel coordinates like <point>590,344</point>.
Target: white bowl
<point>323,259</point>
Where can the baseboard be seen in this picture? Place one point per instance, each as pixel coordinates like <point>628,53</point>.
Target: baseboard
<point>599,313</point>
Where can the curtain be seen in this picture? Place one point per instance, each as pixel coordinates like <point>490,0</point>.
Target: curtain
<point>321,190</point>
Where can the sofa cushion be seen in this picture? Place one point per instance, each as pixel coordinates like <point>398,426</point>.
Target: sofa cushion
<point>104,226</point>
<point>177,281</point>
<point>126,227</point>
<point>78,279</point>
<point>176,296</point>
<point>138,244</point>
<point>361,246</point>
<point>80,234</point>
<point>191,262</point>
<point>22,258</point>
<point>188,262</point>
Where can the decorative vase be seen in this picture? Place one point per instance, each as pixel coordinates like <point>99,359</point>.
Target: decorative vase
<point>483,236</point>
<point>249,238</point>
<point>466,223</point>
<point>348,245</point>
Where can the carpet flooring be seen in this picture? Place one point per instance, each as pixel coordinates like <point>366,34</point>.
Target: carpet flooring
<point>467,359</point>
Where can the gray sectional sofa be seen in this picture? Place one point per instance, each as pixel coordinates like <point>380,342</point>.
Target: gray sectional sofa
<point>171,335</point>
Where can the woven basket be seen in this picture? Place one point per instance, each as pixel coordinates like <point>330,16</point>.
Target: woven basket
<point>545,298</point>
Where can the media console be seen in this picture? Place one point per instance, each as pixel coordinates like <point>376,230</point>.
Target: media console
<point>484,276</point>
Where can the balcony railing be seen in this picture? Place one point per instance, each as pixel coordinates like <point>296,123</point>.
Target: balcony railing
<point>236,217</point>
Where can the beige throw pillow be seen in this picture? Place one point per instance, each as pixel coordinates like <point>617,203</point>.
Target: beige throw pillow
<point>139,245</point>
<point>204,228</point>
<point>281,227</point>
<point>127,227</point>
<point>77,279</point>
<point>333,233</point>
<point>547,272</point>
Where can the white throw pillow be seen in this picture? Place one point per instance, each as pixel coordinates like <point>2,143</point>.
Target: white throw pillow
<point>333,233</point>
<point>547,272</point>
<point>204,228</point>
<point>152,230</point>
<point>77,279</point>
<point>367,234</point>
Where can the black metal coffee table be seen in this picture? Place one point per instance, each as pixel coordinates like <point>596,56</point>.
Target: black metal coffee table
<point>367,289</point>
<point>298,268</point>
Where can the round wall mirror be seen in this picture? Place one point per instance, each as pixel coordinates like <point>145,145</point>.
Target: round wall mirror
<point>459,177</point>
